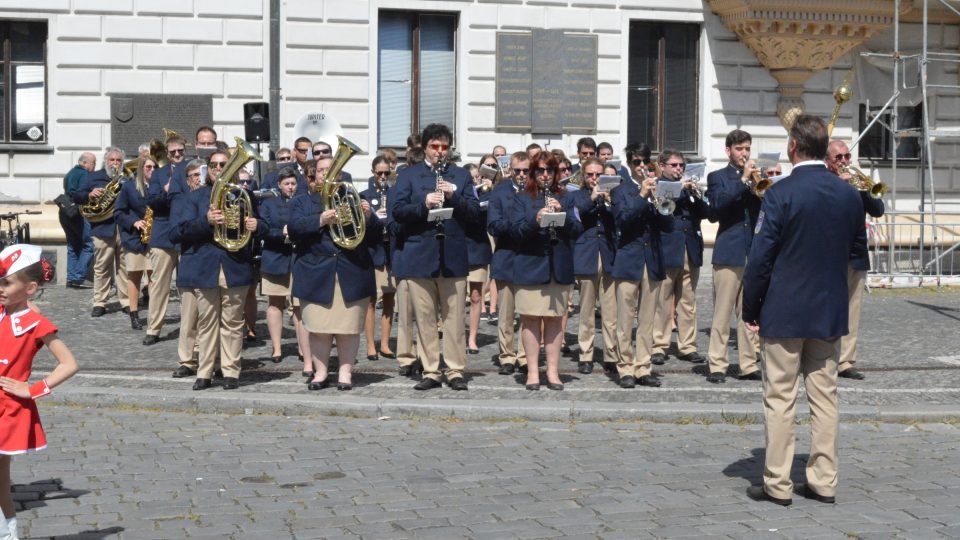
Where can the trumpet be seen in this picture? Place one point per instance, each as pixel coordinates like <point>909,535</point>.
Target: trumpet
<point>663,206</point>
<point>758,183</point>
<point>862,182</point>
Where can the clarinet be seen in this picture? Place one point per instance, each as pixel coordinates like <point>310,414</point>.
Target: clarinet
<point>547,197</point>
<point>440,170</point>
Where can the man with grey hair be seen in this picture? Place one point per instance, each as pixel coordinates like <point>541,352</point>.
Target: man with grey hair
<point>75,228</point>
<point>107,262</point>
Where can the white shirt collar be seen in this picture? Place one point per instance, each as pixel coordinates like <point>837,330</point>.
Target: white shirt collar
<point>810,162</point>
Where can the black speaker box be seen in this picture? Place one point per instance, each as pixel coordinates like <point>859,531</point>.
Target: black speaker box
<point>256,121</point>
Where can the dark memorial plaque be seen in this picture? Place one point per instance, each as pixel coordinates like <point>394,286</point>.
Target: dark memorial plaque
<point>137,118</point>
<point>579,83</point>
<point>546,82</point>
<point>548,64</point>
<point>514,81</point>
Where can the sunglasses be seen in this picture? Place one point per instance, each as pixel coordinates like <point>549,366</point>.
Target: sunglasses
<point>523,172</point>
<point>564,168</point>
<point>301,150</point>
<point>218,164</point>
<point>382,173</point>
<point>490,164</point>
<point>149,166</point>
<point>638,161</point>
<point>439,146</point>
<point>176,152</point>
<point>848,156</point>
<point>678,165</point>
<point>321,152</point>
<point>284,159</point>
<point>592,174</point>
<point>541,170</point>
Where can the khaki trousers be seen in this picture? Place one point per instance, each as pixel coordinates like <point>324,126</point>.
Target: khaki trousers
<point>405,348</point>
<point>163,261</point>
<point>220,327</point>
<point>506,310</point>
<point>784,360</point>
<point>187,342</point>
<point>727,296</point>
<point>679,284</point>
<point>600,286</point>
<point>856,280</point>
<point>450,294</point>
<point>635,301</point>
<point>108,266</point>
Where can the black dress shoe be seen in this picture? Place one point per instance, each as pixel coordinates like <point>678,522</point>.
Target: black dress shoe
<point>851,373</point>
<point>98,311</point>
<point>585,367</point>
<point>276,359</point>
<point>202,384</point>
<point>135,321</point>
<point>753,376</point>
<point>391,356</point>
<point>457,383</point>
<point>555,386</point>
<point>372,357</point>
<point>507,369</point>
<point>533,387</point>
<point>405,371</point>
<point>649,380</point>
<point>125,310</point>
<point>716,377</point>
<point>307,374</point>
<point>565,349</point>
<point>522,369</point>
<point>230,383</point>
<point>344,386</point>
<point>658,359</point>
<point>757,493</point>
<point>218,373</point>
<point>151,339</point>
<point>628,382</point>
<point>427,384</point>
<point>473,351</point>
<point>805,491</point>
<point>693,358</point>
<point>318,385</point>
<point>183,371</point>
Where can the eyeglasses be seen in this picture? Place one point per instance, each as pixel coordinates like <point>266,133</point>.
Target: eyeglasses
<point>193,175</point>
<point>541,170</point>
<point>284,159</point>
<point>439,146</point>
<point>679,165</point>
<point>325,152</point>
<point>592,174</point>
<point>149,166</point>
<point>520,172</point>
<point>848,156</point>
<point>218,164</point>
<point>176,151</point>
<point>301,150</point>
<point>382,173</point>
<point>490,164</point>
<point>638,161</point>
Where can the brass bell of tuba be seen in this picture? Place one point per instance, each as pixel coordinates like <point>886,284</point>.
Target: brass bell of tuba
<point>233,200</point>
<point>351,225</point>
<point>101,208</point>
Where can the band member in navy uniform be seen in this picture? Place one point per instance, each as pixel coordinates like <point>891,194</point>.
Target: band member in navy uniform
<point>334,284</point>
<point>499,224</point>
<point>838,158</point>
<point>380,251</point>
<point>795,295</point>
<point>108,263</point>
<point>543,267</point>
<point>435,253</point>
<point>130,214</point>
<point>478,255</point>
<point>682,257</point>
<point>276,261</point>
<point>593,256</point>
<point>219,277</point>
<point>736,208</point>
<point>638,270</point>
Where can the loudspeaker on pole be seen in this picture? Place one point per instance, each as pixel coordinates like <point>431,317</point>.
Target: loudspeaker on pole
<point>256,121</point>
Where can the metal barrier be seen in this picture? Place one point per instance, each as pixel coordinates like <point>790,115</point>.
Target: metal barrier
<point>907,250</point>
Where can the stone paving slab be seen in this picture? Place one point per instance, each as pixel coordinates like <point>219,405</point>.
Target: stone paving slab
<point>134,474</point>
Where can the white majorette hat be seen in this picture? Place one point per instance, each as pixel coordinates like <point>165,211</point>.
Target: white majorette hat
<point>17,257</point>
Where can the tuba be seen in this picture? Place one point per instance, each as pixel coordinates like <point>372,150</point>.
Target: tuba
<point>841,95</point>
<point>233,200</point>
<point>158,153</point>
<point>98,209</point>
<point>351,225</point>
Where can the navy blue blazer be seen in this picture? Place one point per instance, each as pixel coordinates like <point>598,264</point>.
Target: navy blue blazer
<point>795,282</point>
<point>425,256</point>
<point>131,207</point>
<point>599,238</point>
<point>160,200</point>
<point>736,208</point>
<point>538,260</point>
<point>479,251</point>
<point>860,256</point>
<point>379,251</point>
<point>200,257</point>
<point>319,262</point>
<point>499,223</point>
<point>640,246</point>
<point>270,181</point>
<point>97,179</point>
<point>277,254</point>
<point>685,238</point>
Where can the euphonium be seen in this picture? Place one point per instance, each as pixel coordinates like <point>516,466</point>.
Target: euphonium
<point>862,182</point>
<point>148,229</point>
<point>351,226</point>
<point>841,95</point>
<point>233,200</point>
<point>101,208</point>
<point>158,153</point>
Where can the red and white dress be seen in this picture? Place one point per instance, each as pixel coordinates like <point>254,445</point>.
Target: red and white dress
<point>21,336</point>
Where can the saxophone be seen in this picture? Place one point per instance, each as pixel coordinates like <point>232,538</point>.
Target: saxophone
<point>148,229</point>
<point>100,208</point>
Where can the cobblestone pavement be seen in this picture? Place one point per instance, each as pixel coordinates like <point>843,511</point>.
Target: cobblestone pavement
<point>908,350</point>
<point>134,474</point>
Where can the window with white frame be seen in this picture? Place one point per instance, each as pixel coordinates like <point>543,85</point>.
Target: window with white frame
<point>23,82</point>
